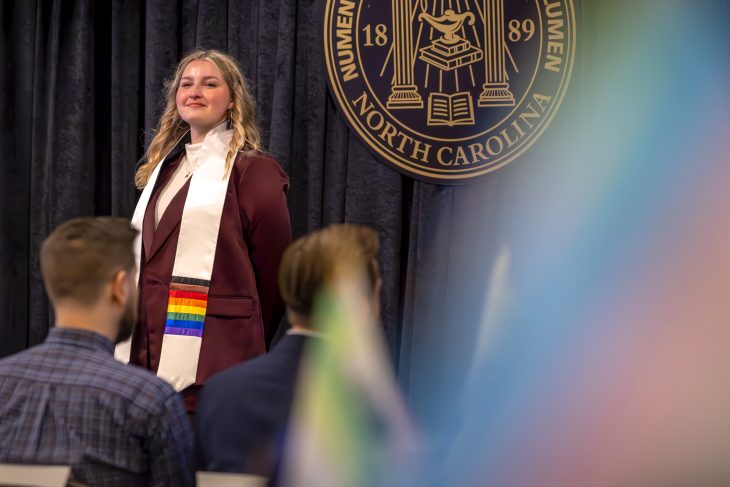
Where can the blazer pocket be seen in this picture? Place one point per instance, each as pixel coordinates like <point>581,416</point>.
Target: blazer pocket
<point>230,306</point>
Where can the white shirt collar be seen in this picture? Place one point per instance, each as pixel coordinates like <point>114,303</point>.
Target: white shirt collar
<point>306,333</point>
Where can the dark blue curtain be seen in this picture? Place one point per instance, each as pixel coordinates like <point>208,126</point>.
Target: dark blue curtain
<point>80,90</point>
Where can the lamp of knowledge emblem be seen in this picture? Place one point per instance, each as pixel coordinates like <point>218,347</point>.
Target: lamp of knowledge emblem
<point>449,90</point>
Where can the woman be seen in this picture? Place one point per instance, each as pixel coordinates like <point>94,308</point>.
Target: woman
<point>214,223</point>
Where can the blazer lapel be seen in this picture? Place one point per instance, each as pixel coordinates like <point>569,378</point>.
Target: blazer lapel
<point>148,225</point>
<point>170,220</point>
<point>153,239</point>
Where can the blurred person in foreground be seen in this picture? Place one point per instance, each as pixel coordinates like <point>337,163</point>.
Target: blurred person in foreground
<point>67,401</point>
<point>244,410</point>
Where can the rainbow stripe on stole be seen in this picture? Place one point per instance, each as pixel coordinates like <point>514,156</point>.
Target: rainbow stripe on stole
<point>186,306</point>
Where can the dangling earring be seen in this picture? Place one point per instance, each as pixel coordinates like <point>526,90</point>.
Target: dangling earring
<point>229,122</point>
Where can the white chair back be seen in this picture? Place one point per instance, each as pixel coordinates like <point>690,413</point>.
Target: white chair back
<point>34,475</point>
<point>216,479</point>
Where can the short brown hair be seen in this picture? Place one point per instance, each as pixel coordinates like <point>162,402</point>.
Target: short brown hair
<point>82,254</point>
<point>312,261</point>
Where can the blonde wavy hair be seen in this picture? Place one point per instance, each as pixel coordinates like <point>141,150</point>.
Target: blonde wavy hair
<point>172,127</point>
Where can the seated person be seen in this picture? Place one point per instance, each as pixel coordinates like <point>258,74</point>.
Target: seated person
<point>243,411</point>
<point>67,401</point>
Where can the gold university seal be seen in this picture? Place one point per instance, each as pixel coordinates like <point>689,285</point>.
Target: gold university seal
<point>448,91</point>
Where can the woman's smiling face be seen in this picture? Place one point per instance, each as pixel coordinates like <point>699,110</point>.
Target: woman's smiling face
<point>203,98</point>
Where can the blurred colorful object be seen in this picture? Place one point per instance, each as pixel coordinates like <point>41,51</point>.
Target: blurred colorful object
<point>613,351</point>
<point>349,424</point>
<point>603,353</point>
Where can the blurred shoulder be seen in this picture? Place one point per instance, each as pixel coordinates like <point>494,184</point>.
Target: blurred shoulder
<point>139,385</point>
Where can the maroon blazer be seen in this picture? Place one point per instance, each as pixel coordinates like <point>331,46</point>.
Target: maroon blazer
<point>244,305</point>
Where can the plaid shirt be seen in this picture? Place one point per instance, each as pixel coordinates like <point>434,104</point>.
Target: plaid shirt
<point>67,401</point>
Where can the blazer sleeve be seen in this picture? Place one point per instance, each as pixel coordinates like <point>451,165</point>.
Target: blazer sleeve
<point>262,200</point>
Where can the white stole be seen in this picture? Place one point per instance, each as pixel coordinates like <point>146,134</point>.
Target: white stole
<point>195,254</point>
